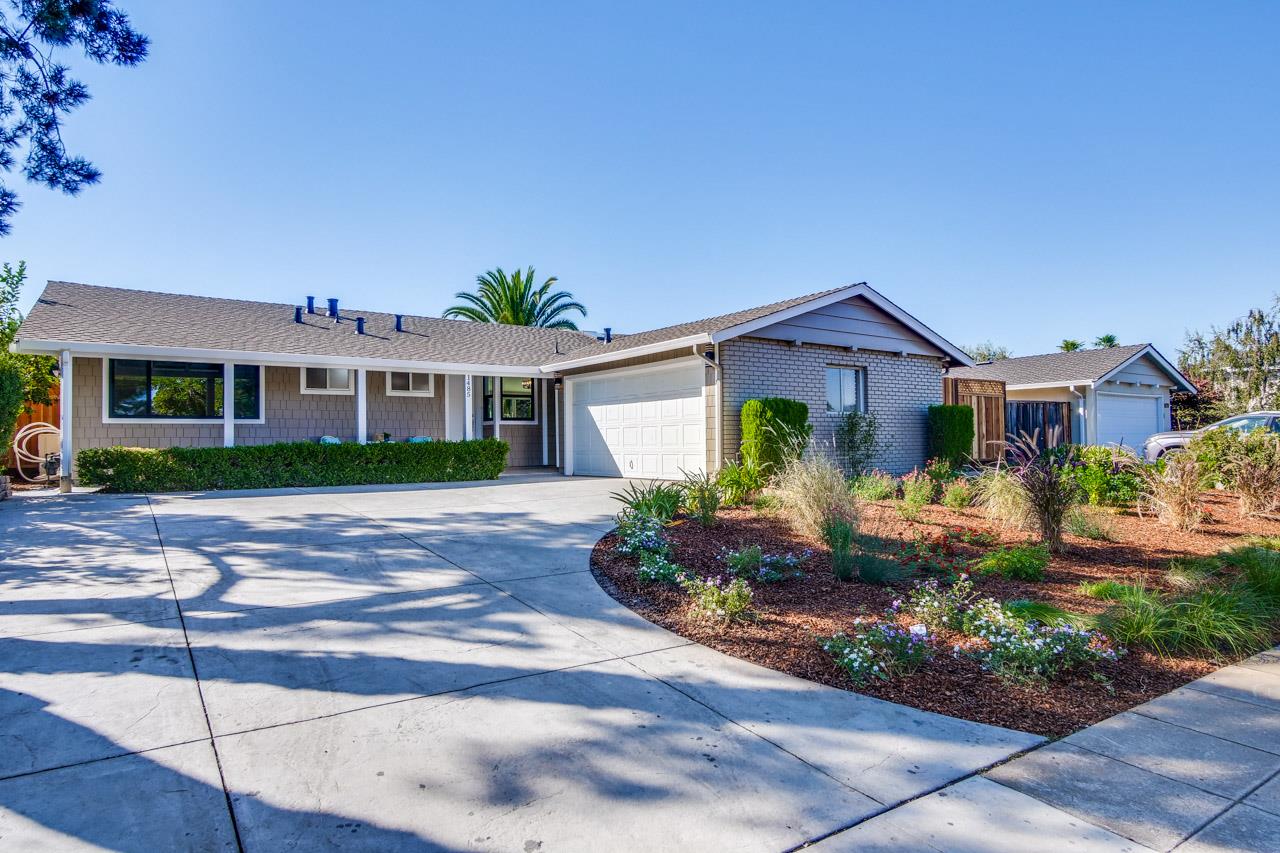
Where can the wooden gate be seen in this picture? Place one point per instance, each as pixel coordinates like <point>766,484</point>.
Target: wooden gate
<point>986,398</point>
<point>32,414</point>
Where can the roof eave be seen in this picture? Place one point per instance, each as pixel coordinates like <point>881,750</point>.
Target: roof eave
<point>271,359</point>
<point>629,352</point>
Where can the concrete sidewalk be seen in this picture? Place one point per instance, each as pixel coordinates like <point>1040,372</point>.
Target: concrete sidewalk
<point>1195,770</point>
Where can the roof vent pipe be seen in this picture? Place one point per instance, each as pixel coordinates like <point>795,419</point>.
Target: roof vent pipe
<point>311,305</point>
<point>608,335</point>
<point>359,325</point>
<point>399,322</point>
<point>333,308</point>
<point>297,313</point>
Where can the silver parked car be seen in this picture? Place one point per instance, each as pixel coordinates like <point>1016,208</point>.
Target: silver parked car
<point>1162,442</point>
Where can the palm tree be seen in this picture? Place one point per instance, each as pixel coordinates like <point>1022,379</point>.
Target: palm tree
<point>1070,345</point>
<point>516,301</point>
<point>1106,341</point>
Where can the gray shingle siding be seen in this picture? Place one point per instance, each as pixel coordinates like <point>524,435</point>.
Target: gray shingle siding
<point>899,391</point>
<point>290,414</point>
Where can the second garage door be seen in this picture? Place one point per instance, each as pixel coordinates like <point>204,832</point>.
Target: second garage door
<point>1127,419</point>
<point>644,424</point>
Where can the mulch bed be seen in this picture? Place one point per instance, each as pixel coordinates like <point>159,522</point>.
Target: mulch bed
<point>795,613</point>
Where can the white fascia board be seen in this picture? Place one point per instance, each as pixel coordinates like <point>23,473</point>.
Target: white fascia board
<point>271,359</point>
<point>865,291</point>
<point>670,364</point>
<point>1035,386</point>
<point>630,352</point>
<point>1174,373</point>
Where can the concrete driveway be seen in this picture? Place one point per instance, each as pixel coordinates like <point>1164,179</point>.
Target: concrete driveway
<point>392,668</point>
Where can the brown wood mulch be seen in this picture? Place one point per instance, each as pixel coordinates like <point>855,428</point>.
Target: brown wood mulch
<point>794,614</point>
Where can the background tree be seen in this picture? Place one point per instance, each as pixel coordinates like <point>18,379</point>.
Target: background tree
<point>1106,341</point>
<point>36,92</point>
<point>517,301</point>
<point>1241,362</point>
<point>987,351</point>
<point>1070,345</point>
<point>35,371</point>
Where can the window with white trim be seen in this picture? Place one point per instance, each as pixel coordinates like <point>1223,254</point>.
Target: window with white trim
<point>328,380</point>
<point>138,389</point>
<point>846,390</point>
<point>516,399</point>
<point>405,384</point>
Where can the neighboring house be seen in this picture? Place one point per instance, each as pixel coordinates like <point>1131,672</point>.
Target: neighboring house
<point>1116,395</point>
<point>155,369</point>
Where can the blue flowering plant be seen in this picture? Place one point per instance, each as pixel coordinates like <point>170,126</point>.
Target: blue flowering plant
<point>938,605</point>
<point>641,533</point>
<point>754,564</point>
<point>879,648</point>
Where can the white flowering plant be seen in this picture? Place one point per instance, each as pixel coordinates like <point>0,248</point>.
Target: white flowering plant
<point>719,600</point>
<point>658,568</point>
<point>879,648</point>
<point>1028,651</point>
<point>754,564</point>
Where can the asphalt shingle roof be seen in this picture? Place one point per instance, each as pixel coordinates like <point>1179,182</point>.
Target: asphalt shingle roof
<point>110,315</point>
<point>708,325</point>
<point>86,313</point>
<point>1084,365</point>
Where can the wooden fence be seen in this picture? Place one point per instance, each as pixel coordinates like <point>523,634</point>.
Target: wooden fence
<point>1048,422</point>
<point>34,413</point>
<point>986,398</point>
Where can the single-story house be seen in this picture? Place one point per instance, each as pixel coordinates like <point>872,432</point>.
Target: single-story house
<point>1115,395</point>
<point>141,368</point>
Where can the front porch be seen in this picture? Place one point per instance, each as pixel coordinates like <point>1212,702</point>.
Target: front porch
<point>108,400</point>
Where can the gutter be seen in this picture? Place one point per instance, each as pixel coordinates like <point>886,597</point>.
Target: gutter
<point>271,359</point>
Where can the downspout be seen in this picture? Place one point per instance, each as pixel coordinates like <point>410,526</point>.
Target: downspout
<point>1084,416</point>
<point>715,364</point>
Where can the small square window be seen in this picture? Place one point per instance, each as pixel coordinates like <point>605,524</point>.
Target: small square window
<point>327,380</point>
<point>846,390</point>
<point>402,383</point>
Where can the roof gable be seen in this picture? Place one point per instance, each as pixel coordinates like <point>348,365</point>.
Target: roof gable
<point>769,320</point>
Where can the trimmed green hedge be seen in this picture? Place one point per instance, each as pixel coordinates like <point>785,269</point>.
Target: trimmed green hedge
<point>268,466</point>
<point>951,431</point>
<point>768,426</point>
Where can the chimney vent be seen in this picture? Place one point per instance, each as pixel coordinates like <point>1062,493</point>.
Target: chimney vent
<point>399,322</point>
<point>608,335</point>
<point>311,305</point>
<point>333,308</point>
<point>359,325</point>
<point>297,313</point>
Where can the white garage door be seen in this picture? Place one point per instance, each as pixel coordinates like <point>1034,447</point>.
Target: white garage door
<point>1128,419</point>
<point>649,424</point>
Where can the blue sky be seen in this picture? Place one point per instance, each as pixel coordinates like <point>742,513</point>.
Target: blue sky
<point>1020,172</point>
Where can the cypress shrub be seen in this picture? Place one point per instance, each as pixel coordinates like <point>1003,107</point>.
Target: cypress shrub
<point>951,431</point>
<point>272,466</point>
<point>12,399</point>
<point>771,428</point>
